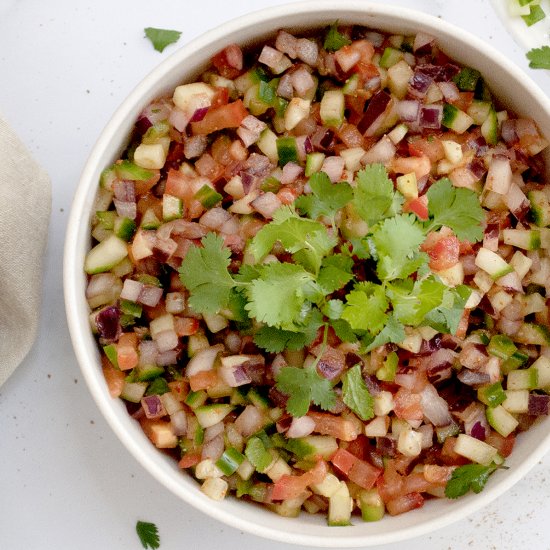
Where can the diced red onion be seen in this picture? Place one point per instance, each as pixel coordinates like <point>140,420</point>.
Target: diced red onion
<point>538,405</point>
<point>307,51</point>
<point>153,407</point>
<point>473,356</point>
<point>213,431</point>
<point>508,131</point>
<point>347,58</point>
<point>387,446</point>
<point>517,202</point>
<point>166,358</point>
<point>108,323</point>
<point>375,109</point>
<point>266,204</point>
<point>419,84</point>
<point>125,209</point>
<point>383,151</point>
<point>511,282</point>
<point>283,424</point>
<point>99,284</point>
<point>156,112</point>
<point>449,90</point>
<point>183,228</point>
<point>215,218</point>
<point>179,119</point>
<point>499,177</point>
<point>286,43</point>
<point>178,421</point>
<point>508,326</point>
<point>163,249</point>
<point>435,408</point>
<point>234,376</point>
<point>302,81</point>
<point>423,43</point>
<point>408,110</point>
<point>427,432</point>
<point>142,125</point>
<point>148,353</point>
<point>291,172</point>
<point>203,360</point>
<point>430,116</point>
<point>490,237</point>
<point>284,88</point>
<point>194,146</point>
<point>270,56</point>
<point>478,431</point>
<point>125,191</point>
<point>301,427</point>
<point>257,165</point>
<point>333,168</point>
<point>213,449</point>
<point>150,295</point>
<point>249,421</point>
<point>473,377</point>
<point>199,114</point>
<point>406,380</point>
<point>131,290</point>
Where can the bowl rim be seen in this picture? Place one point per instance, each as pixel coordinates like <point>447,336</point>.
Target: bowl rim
<point>75,244</point>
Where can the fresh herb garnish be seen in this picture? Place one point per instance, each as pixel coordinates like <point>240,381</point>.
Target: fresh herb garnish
<point>539,58</point>
<point>355,393</point>
<point>471,476</point>
<point>160,38</point>
<point>148,534</point>
<point>334,40</point>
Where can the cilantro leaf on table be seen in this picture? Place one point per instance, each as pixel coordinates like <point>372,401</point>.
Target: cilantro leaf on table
<point>276,297</point>
<point>355,394</point>
<point>334,40</point>
<point>366,308</point>
<point>539,58</point>
<point>470,476</point>
<point>393,332</point>
<point>304,386</point>
<point>326,197</point>
<point>447,316</point>
<point>204,273</point>
<point>160,38</point>
<point>374,197</point>
<point>397,241</point>
<point>410,305</point>
<point>457,208</point>
<point>148,534</point>
<point>335,272</point>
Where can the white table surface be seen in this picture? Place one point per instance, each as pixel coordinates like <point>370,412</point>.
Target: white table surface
<point>65,480</point>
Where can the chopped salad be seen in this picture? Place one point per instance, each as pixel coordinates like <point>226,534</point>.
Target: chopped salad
<point>319,275</point>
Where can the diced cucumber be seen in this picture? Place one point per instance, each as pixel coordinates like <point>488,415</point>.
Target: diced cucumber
<point>399,76</point>
<point>208,415</point>
<point>352,158</point>
<point>124,228</point>
<point>133,391</point>
<point>297,110</point>
<point>489,128</point>
<point>230,461</point>
<point>521,263</point>
<point>111,353</point>
<point>148,372</point>
<point>522,379</point>
<point>150,220</point>
<point>479,111</point>
<point>540,207</point>
<point>323,445</point>
<point>278,469</point>
<point>105,255</point>
<point>474,449</point>
<point>196,398</point>
<point>172,207</point>
<point>287,150</point>
<point>492,263</point>
<point>127,170</point>
<point>501,346</point>
<point>106,219</point>
<point>267,144</point>
<point>398,133</point>
<point>371,505</point>
<point>327,487</point>
<point>513,362</point>
<point>339,507</point>
<point>501,420</point>
<point>332,108</point>
<point>257,399</point>
<point>534,334</point>
<point>196,342</point>
<point>207,196</point>
<point>542,365</point>
<point>455,119</point>
<point>314,162</point>
<point>215,488</point>
<point>390,57</point>
<point>517,401</point>
<point>527,239</point>
<point>491,395</point>
<point>467,79</point>
<point>351,85</point>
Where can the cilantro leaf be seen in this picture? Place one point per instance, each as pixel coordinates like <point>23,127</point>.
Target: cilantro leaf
<point>393,332</point>
<point>305,386</point>
<point>204,273</point>
<point>335,40</point>
<point>457,208</point>
<point>470,476</point>
<point>276,297</point>
<point>161,38</point>
<point>257,454</point>
<point>326,198</point>
<point>366,308</point>
<point>343,330</point>
<point>539,58</point>
<point>410,305</point>
<point>374,196</point>
<point>355,394</point>
<point>148,534</point>
<point>333,309</point>
<point>397,241</point>
<point>446,317</point>
<point>335,272</point>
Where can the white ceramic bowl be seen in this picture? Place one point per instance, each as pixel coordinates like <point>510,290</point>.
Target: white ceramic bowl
<point>509,83</point>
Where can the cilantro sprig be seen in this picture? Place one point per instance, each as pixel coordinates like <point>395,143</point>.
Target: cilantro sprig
<point>161,38</point>
<point>539,58</point>
<point>148,534</point>
<point>469,477</point>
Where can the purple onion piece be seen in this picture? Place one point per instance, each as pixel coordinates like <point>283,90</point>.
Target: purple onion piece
<point>372,384</point>
<point>199,114</point>
<point>108,323</point>
<point>438,373</point>
<point>473,377</point>
<point>152,406</point>
<point>386,446</point>
<point>431,117</point>
<point>419,83</point>
<point>429,346</point>
<point>376,107</point>
<point>478,431</point>
<point>486,306</point>
<point>538,404</point>
<point>477,167</point>
<point>327,141</point>
<point>308,147</point>
<point>142,125</point>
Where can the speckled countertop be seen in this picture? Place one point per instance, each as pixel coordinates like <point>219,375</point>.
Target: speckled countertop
<point>65,480</point>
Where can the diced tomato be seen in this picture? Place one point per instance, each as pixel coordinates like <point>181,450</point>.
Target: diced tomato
<point>288,487</point>
<point>113,376</point>
<point>178,185</point>
<point>404,503</point>
<point>438,475</point>
<point>343,460</point>
<point>466,248</point>
<point>366,49</point>
<point>221,97</point>
<point>203,380</point>
<point>127,355</point>
<point>364,474</point>
<point>418,206</point>
<point>229,61</point>
<point>180,388</point>
<point>463,324</point>
<point>350,135</point>
<point>390,484</point>
<point>185,326</point>
<point>287,195</point>
<point>443,253</point>
<point>142,187</point>
<point>190,459</point>
<point>157,311</point>
<point>337,426</point>
<point>408,405</point>
<point>504,445</point>
<point>149,201</point>
<point>221,150</point>
<point>464,100</point>
<point>206,166</point>
<point>420,165</point>
<point>360,447</point>
<point>226,116</point>
<point>416,483</point>
<point>448,455</point>
<point>430,147</point>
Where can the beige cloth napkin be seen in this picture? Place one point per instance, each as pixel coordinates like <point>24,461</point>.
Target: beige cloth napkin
<point>25,204</point>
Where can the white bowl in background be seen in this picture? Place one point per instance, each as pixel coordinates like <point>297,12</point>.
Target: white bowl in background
<point>507,82</point>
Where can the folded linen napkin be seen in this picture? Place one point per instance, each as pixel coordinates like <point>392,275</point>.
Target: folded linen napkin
<point>25,204</point>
